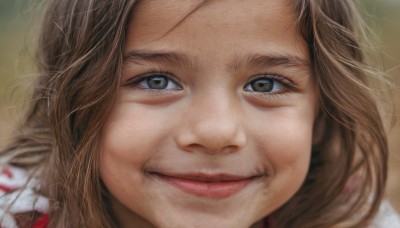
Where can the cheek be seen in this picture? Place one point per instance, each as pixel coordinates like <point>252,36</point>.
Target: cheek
<point>285,143</point>
<point>130,138</point>
<point>285,136</point>
<point>291,145</point>
<point>133,134</point>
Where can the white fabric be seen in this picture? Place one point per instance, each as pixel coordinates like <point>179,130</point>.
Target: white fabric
<point>12,181</point>
<point>387,217</point>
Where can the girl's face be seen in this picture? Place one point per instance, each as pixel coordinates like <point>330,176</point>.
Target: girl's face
<point>213,126</point>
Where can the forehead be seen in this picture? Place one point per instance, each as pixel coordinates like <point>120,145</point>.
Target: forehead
<point>155,19</point>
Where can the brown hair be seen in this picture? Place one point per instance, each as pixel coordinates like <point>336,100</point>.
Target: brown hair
<point>80,61</point>
<point>351,142</point>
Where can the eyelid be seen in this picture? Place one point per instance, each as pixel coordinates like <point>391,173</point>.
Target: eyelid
<point>137,79</point>
<point>288,84</point>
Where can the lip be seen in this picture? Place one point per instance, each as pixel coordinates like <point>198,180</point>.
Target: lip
<point>217,186</point>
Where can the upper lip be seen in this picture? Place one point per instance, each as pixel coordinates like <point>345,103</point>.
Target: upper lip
<point>205,177</point>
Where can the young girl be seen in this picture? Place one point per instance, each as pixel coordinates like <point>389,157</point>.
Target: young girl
<point>199,114</point>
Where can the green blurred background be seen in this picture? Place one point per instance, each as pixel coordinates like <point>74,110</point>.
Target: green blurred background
<point>18,26</point>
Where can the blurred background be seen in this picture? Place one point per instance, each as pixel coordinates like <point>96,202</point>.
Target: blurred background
<point>18,26</point>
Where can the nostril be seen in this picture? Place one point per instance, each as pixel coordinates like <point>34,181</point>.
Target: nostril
<point>222,139</point>
<point>217,150</point>
<point>230,149</point>
<point>194,147</point>
<point>211,145</point>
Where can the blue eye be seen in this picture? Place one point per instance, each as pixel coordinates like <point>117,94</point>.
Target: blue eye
<point>264,85</point>
<point>157,82</point>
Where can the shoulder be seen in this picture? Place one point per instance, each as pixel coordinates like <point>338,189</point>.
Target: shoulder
<point>386,217</point>
<point>20,200</point>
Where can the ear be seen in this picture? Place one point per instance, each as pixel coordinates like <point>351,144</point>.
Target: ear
<point>319,129</point>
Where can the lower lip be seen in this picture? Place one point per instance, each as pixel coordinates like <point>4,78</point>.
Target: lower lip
<point>216,190</point>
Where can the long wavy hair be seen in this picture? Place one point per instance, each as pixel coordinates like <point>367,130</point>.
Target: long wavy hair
<point>79,59</point>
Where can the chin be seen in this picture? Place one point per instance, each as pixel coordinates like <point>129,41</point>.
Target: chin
<point>204,222</point>
<point>206,219</point>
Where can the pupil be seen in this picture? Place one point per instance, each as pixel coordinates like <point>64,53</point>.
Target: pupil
<point>157,83</point>
<point>262,85</point>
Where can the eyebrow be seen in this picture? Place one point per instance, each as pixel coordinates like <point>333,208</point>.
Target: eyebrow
<point>238,61</point>
<point>270,60</point>
<point>171,58</point>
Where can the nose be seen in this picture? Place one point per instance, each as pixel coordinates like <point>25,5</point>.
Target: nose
<point>212,124</point>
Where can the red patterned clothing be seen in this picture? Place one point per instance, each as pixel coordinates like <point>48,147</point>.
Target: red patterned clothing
<point>21,205</point>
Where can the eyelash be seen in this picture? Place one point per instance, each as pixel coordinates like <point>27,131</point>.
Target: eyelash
<point>286,83</point>
<point>134,82</point>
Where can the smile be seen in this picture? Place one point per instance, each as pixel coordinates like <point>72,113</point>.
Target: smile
<point>210,186</point>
